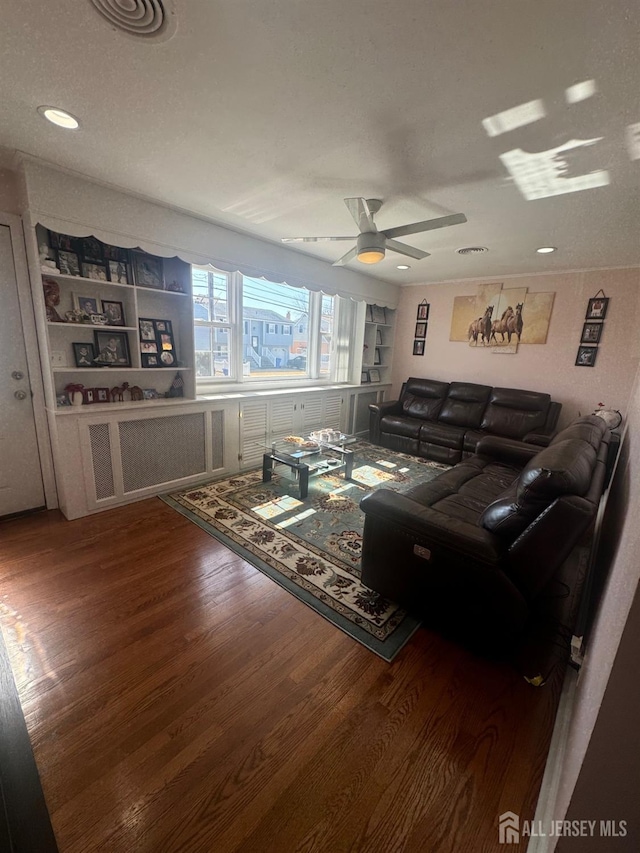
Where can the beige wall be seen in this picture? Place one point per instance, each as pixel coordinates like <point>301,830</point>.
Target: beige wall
<point>546,367</point>
<point>9,194</point>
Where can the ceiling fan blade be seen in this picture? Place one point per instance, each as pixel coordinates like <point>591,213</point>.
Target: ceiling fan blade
<point>409,251</point>
<point>427,225</point>
<point>359,209</point>
<point>351,254</point>
<point>314,239</point>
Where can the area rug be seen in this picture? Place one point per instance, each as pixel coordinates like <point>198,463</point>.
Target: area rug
<point>312,547</point>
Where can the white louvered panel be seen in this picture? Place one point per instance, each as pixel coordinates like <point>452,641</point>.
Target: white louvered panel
<point>161,450</point>
<point>312,414</point>
<point>254,419</point>
<point>253,433</point>
<point>101,461</point>
<point>217,440</point>
<point>333,411</point>
<point>362,410</point>
<point>282,414</point>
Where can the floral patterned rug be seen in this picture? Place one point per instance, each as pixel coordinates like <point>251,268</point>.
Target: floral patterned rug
<point>312,547</point>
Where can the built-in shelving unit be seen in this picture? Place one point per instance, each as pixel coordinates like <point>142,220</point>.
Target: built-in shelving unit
<point>138,301</point>
<point>378,344</point>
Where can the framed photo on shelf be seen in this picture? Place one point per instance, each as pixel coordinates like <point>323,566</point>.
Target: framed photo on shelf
<point>68,263</point>
<point>379,315</point>
<point>377,357</point>
<point>374,375</point>
<point>149,346</point>
<point>91,249</point>
<point>364,377</point>
<point>95,271</point>
<point>418,347</point>
<point>84,354</point>
<point>423,311</point>
<point>102,395</point>
<point>378,337</point>
<point>89,304</point>
<point>150,360</point>
<point>586,356</point>
<point>114,312</point>
<point>115,253</point>
<point>112,348</point>
<point>148,270</point>
<point>64,242</point>
<point>167,359</point>
<point>597,308</point>
<point>119,272</point>
<point>421,330</point>
<point>147,329</point>
<point>88,396</point>
<point>591,333</point>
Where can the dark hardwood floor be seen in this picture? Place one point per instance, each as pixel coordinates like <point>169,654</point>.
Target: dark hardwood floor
<point>179,700</point>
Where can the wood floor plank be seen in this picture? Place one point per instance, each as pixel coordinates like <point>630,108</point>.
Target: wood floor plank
<point>179,700</point>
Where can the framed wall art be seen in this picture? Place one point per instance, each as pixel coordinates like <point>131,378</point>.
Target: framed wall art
<point>374,375</point>
<point>591,333</point>
<point>597,308</point>
<point>423,311</point>
<point>586,356</point>
<point>112,348</point>
<point>114,312</point>
<point>418,347</point>
<point>98,272</point>
<point>421,330</point>
<point>148,270</point>
<point>84,354</point>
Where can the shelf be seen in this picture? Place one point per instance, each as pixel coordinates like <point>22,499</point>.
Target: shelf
<point>92,326</point>
<point>96,408</point>
<point>159,292</point>
<point>82,280</point>
<point>117,369</point>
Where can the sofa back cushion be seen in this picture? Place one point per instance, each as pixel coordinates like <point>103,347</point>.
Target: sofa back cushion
<point>589,428</point>
<point>422,398</point>
<point>465,404</point>
<point>564,468</point>
<point>513,413</point>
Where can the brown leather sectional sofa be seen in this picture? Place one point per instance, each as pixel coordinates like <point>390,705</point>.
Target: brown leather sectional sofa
<point>471,550</point>
<point>445,421</point>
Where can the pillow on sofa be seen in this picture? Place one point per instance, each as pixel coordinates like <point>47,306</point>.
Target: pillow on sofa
<point>563,468</point>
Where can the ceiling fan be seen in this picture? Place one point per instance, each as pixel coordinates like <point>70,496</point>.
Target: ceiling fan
<point>372,244</point>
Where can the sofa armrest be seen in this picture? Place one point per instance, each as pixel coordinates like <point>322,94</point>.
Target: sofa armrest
<point>377,411</point>
<point>430,526</point>
<point>506,450</point>
<point>540,438</point>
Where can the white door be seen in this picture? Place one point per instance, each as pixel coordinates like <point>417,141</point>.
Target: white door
<point>20,475</point>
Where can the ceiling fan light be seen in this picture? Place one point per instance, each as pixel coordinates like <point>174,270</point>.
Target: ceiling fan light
<point>371,256</point>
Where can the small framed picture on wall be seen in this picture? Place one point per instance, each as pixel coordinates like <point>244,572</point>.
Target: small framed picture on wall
<point>586,356</point>
<point>591,333</point>
<point>423,311</point>
<point>421,330</point>
<point>597,308</point>
<point>418,347</point>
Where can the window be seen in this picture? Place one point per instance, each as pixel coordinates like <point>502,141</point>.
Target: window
<point>250,330</point>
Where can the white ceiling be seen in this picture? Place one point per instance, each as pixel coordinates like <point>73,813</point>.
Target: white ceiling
<point>264,114</point>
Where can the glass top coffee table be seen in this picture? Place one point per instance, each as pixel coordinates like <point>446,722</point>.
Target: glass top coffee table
<point>307,458</point>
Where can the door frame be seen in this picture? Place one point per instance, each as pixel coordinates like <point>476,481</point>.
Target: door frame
<point>25,301</point>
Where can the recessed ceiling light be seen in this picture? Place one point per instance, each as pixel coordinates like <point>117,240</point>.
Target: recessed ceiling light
<point>546,250</point>
<point>403,267</point>
<point>59,117</point>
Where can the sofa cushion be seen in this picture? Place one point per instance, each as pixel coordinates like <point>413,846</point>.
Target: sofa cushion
<point>513,413</point>
<point>399,425</point>
<point>562,469</point>
<point>443,434</point>
<point>589,428</point>
<point>465,404</point>
<point>422,398</point>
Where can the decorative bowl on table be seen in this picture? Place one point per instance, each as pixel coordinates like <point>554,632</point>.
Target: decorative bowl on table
<point>326,436</point>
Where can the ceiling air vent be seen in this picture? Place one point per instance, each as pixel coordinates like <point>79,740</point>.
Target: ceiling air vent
<point>153,20</point>
<point>472,250</point>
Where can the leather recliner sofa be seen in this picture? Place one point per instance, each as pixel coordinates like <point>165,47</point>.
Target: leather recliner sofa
<point>445,421</point>
<point>471,550</point>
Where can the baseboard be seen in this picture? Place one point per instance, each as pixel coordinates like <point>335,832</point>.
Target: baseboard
<point>547,799</point>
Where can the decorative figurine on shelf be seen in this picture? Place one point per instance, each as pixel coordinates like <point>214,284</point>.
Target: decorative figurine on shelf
<point>51,299</point>
<point>47,263</point>
<point>136,393</point>
<point>77,316</point>
<point>117,393</point>
<point>177,387</point>
<point>74,392</point>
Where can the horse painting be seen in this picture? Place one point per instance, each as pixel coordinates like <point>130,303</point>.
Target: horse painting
<point>501,326</point>
<point>481,328</point>
<point>515,323</point>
